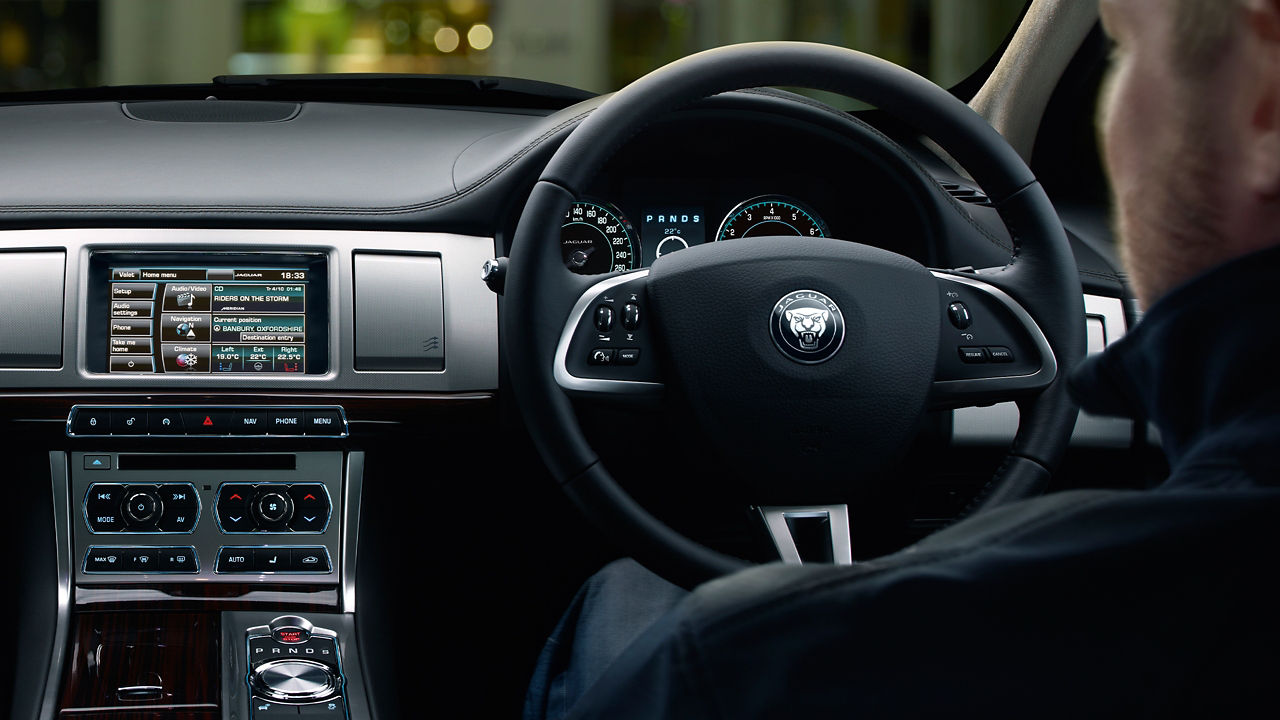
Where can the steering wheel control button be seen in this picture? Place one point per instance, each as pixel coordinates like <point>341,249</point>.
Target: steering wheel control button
<point>97,462</point>
<point>602,356</point>
<point>628,356</point>
<point>1000,354</point>
<point>973,355</point>
<point>181,507</point>
<point>959,315</point>
<point>631,316</point>
<point>604,318</point>
<point>177,560</point>
<point>234,560</point>
<point>141,507</point>
<point>102,507</point>
<point>309,560</point>
<point>807,326</point>
<point>128,422</point>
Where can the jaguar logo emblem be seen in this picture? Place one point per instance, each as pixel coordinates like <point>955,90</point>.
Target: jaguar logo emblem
<point>807,326</point>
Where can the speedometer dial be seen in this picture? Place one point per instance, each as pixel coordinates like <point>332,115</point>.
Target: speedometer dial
<point>771,215</point>
<point>596,238</point>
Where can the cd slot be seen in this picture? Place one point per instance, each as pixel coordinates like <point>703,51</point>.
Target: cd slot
<point>208,461</point>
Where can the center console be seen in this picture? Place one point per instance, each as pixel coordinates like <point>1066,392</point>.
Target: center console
<point>211,396</point>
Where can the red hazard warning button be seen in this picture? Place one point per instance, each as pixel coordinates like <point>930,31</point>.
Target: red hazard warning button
<point>207,422</point>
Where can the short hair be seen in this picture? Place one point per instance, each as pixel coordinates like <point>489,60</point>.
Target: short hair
<point>1202,29</point>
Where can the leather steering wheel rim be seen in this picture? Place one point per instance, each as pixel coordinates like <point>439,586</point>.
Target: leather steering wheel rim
<point>1041,274</point>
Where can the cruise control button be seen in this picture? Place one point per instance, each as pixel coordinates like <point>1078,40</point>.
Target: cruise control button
<point>177,560</point>
<point>959,315</point>
<point>602,356</point>
<point>91,421</point>
<point>104,560</point>
<point>164,422</point>
<point>1000,354</point>
<point>324,422</point>
<point>234,560</point>
<point>604,318</point>
<point>973,355</point>
<point>309,559</point>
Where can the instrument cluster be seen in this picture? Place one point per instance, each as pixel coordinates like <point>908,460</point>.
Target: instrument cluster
<point>598,237</point>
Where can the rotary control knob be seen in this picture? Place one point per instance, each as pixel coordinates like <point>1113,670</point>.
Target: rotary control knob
<point>273,508</point>
<point>142,507</point>
<point>294,680</point>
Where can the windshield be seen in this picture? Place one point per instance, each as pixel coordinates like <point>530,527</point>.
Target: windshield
<point>594,45</point>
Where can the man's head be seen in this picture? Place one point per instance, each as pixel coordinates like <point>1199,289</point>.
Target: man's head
<point>1191,128</point>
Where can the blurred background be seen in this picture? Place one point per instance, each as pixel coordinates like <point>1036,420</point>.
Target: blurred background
<point>596,45</point>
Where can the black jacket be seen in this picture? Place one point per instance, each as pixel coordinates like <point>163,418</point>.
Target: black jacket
<point>1076,604</point>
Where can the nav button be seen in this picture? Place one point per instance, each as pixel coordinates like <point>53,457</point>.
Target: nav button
<point>250,422</point>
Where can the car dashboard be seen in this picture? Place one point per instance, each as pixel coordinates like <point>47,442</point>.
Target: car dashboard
<point>255,376</point>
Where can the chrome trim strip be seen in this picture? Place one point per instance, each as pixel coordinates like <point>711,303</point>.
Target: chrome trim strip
<point>775,521</point>
<point>569,381</point>
<point>352,489</point>
<point>61,478</point>
<point>1048,363</point>
<point>1111,312</point>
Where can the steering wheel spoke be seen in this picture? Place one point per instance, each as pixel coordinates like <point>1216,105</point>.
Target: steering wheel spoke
<point>607,348</point>
<point>990,349</point>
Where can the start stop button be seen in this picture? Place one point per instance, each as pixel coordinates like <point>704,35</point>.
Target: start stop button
<point>290,629</point>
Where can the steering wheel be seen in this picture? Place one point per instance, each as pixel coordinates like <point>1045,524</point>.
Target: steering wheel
<point>806,358</point>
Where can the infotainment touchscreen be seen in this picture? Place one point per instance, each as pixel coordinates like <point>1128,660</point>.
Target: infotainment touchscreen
<point>210,319</point>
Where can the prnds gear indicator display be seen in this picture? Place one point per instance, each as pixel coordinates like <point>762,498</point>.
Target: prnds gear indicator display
<point>208,320</point>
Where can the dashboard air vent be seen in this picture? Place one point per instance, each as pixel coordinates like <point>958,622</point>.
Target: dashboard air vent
<point>965,193</point>
<point>211,111</point>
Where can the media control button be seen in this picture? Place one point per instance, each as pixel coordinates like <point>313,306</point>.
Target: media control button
<point>141,506</point>
<point>324,422</point>
<point>102,507</point>
<point>132,364</point>
<point>271,559</point>
<point>165,422</point>
<point>97,462</point>
<point>207,422</point>
<point>104,560</point>
<point>128,422</point>
<point>628,356</point>
<point>286,422</point>
<point>233,507</point>
<point>91,421</point>
<point>131,308</point>
<point>250,422</point>
<point>186,297</point>
<point>604,318</point>
<point>309,559</point>
<point>631,316</point>
<point>141,560</point>
<point>177,560</point>
<point>181,507</point>
<point>234,560</point>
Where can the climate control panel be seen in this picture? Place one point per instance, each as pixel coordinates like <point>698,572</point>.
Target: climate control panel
<point>273,507</point>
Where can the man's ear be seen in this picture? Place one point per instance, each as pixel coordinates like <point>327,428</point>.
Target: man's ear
<point>1264,157</point>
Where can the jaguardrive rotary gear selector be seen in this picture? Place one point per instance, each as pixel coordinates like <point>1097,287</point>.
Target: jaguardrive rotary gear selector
<point>294,669</point>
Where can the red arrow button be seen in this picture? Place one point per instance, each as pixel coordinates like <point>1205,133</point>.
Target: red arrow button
<point>309,496</point>
<point>235,497</point>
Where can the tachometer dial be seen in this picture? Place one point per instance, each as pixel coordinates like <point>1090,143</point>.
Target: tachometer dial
<point>596,238</point>
<point>771,215</point>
